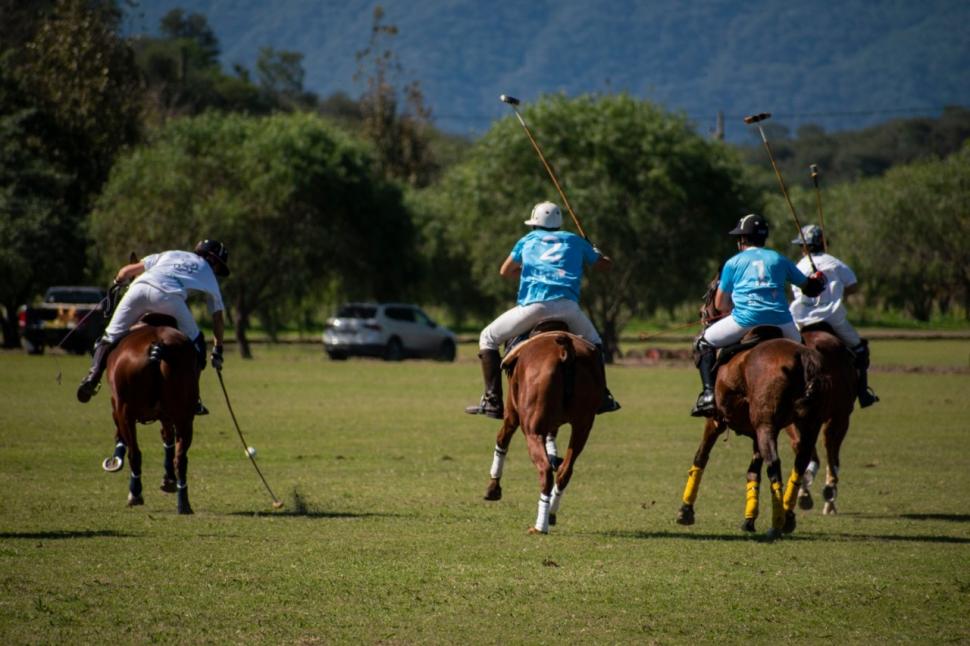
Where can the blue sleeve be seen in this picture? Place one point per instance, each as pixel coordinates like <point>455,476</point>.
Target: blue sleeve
<point>795,275</point>
<point>516,252</point>
<point>727,278</point>
<point>590,255</point>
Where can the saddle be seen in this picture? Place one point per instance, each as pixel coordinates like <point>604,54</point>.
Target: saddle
<point>550,325</point>
<point>754,337</point>
<point>508,361</point>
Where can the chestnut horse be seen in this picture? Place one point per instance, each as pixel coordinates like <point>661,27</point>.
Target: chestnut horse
<point>554,378</point>
<point>774,385</point>
<point>153,375</point>
<point>838,363</point>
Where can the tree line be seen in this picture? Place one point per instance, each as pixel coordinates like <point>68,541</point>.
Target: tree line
<point>113,145</point>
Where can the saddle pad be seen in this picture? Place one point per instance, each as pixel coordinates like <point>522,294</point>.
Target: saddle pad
<point>514,352</point>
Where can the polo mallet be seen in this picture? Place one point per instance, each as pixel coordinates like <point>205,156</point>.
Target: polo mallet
<point>512,101</point>
<point>756,119</point>
<point>818,201</point>
<point>277,503</point>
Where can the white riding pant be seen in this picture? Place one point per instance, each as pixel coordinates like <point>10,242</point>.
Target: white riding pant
<point>142,298</point>
<point>522,318</point>
<point>728,331</point>
<point>843,329</point>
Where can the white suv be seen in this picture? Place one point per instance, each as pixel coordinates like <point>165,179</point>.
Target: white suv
<point>392,331</point>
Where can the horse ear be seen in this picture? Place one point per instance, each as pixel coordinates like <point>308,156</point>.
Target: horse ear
<point>132,258</point>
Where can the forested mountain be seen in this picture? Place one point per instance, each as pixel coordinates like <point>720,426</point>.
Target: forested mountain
<point>838,64</point>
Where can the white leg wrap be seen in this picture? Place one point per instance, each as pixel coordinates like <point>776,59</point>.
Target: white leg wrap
<point>542,518</point>
<point>810,472</point>
<point>498,462</point>
<point>555,500</point>
<point>552,450</point>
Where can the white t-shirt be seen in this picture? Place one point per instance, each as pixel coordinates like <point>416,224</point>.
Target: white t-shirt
<point>181,272</point>
<point>827,306</point>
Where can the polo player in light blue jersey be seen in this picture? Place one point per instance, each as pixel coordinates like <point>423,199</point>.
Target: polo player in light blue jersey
<point>549,263</point>
<point>752,291</point>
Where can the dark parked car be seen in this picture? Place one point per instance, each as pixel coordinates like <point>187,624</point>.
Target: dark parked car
<point>392,331</point>
<point>61,311</point>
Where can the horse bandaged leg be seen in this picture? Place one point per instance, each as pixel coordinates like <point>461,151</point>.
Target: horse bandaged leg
<point>498,462</point>
<point>134,490</point>
<point>777,506</point>
<point>791,490</point>
<point>552,452</point>
<point>542,517</point>
<point>694,476</point>
<point>751,499</point>
<point>555,500</point>
<point>114,463</point>
<point>168,480</point>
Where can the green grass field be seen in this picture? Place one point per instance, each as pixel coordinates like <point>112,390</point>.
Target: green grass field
<point>385,537</point>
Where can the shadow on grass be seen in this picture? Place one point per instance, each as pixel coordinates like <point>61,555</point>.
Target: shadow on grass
<point>760,537</point>
<point>953,518</point>
<point>308,513</point>
<point>55,535</point>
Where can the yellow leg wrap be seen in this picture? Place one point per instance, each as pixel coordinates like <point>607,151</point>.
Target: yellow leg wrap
<point>777,506</point>
<point>693,484</point>
<point>751,499</point>
<point>791,490</point>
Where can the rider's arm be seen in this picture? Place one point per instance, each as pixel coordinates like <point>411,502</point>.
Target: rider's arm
<point>510,268</point>
<point>130,271</point>
<point>723,302</point>
<point>218,328</point>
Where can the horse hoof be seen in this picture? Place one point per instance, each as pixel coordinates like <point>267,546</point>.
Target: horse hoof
<point>686,515</point>
<point>829,508</point>
<point>112,464</point>
<point>168,486</point>
<point>828,493</point>
<point>805,501</point>
<point>789,526</point>
<point>494,491</point>
<point>772,534</point>
<point>748,525</point>
<point>552,519</point>
<point>536,530</point>
<point>134,501</point>
<point>185,510</point>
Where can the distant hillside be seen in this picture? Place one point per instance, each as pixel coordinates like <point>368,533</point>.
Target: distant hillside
<point>844,64</point>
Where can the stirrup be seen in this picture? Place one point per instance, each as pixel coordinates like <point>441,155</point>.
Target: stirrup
<point>609,404</point>
<point>87,389</point>
<point>704,407</point>
<point>486,409</point>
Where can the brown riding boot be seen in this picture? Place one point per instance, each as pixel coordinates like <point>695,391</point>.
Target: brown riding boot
<point>89,385</point>
<point>491,404</point>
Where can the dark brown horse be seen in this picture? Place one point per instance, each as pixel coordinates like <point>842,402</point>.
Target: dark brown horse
<point>838,364</point>
<point>775,384</point>
<point>153,375</point>
<point>554,378</point>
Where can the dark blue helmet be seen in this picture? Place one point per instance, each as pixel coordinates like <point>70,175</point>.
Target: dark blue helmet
<point>753,227</point>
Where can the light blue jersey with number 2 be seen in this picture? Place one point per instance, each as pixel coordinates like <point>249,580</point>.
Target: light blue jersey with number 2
<point>552,265</point>
<point>756,280</point>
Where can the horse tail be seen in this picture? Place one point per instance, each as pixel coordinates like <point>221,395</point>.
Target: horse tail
<point>814,380</point>
<point>567,358</point>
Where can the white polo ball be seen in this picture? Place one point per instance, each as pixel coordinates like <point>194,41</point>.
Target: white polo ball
<point>251,452</point>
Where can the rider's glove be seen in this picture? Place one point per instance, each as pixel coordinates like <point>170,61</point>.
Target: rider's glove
<point>815,284</point>
<point>217,357</point>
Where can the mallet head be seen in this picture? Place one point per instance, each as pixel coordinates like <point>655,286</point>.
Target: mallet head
<point>511,100</point>
<point>755,118</point>
<point>814,169</point>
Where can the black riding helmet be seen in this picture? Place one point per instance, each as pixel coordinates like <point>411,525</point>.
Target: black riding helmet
<point>216,255</point>
<point>753,228</point>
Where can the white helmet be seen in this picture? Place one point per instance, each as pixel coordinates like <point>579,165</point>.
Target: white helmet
<point>546,215</point>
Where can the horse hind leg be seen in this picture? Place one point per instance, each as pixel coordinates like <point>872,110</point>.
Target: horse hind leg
<point>182,443</point>
<point>751,490</point>
<point>833,444</point>
<point>537,452</point>
<point>564,472</point>
<point>134,460</point>
<point>712,429</point>
<point>805,500</point>
<point>168,464</point>
<point>494,489</point>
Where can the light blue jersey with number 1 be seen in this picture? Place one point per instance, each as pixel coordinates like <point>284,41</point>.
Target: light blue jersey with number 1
<point>552,265</point>
<point>756,280</point>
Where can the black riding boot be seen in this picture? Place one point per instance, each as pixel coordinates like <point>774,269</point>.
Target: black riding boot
<point>707,355</point>
<point>200,348</point>
<point>89,385</point>
<point>609,404</point>
<point>866,396</point>
<point>491,404</point>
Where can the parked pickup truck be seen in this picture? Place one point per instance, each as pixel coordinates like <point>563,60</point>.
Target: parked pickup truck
<point>62,310</point>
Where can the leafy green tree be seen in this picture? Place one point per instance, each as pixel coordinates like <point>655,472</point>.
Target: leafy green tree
<point>650,192</point>
<point>69,101</point>
<point>296,201</point>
